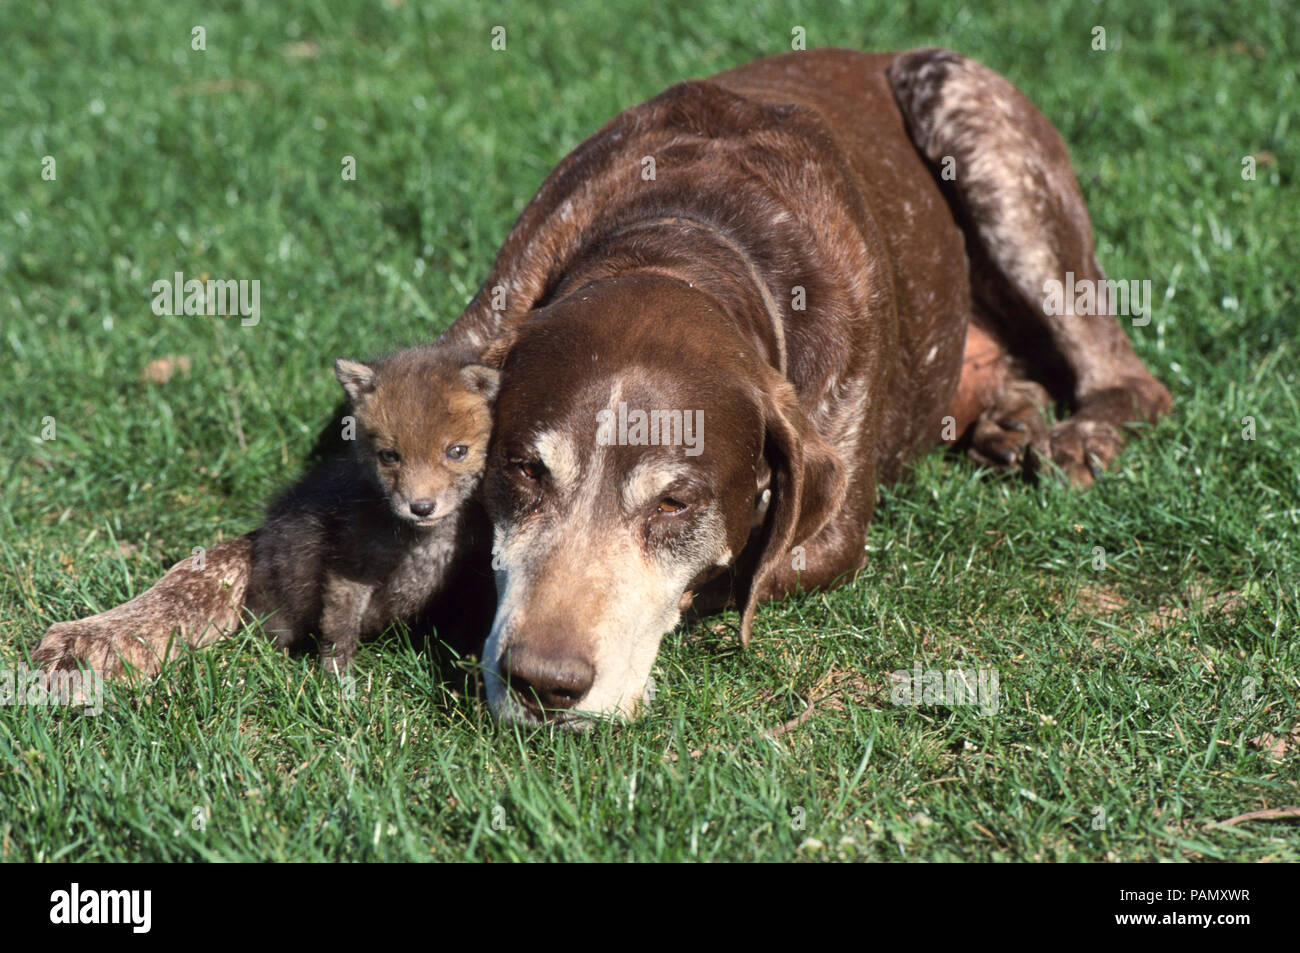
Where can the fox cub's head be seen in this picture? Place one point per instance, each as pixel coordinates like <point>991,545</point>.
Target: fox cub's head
<point>423,422</point>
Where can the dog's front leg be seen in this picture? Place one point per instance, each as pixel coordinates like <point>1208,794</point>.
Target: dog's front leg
<point>199,601</point>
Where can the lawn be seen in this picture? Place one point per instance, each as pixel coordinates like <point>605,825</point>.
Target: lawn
<point>1144,632</point>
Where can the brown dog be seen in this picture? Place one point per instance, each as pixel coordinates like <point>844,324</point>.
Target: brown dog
<point>721,323</point>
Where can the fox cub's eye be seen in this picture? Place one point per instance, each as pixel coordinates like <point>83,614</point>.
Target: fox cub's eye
<point>389,457</point>
<point>458,452</point>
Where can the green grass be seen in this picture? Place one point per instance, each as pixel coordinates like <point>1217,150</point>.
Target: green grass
<point>1127,690</point>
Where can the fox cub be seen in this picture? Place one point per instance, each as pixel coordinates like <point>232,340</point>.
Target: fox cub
<point>371,537</point>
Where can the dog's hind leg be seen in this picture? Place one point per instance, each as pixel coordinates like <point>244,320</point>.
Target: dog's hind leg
<point>1008,176</point>
<point>199,601</point>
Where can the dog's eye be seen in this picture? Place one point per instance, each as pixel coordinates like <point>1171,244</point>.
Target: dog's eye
<point>670,507</point>
<point>458,452</point>
<point>389,457</point>
<point>530,470</point>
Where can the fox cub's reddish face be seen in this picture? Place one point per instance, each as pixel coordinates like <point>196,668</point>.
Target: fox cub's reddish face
<point>424,426</point>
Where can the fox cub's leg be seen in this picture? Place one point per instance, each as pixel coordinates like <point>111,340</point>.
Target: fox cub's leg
<point>344,606</point>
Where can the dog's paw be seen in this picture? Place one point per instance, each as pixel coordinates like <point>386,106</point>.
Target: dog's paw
<point>96,645</point>
<point>1078,450</point>
<point>1004,431</point>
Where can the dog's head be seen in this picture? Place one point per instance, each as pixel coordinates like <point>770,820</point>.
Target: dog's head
<point>638,439</point>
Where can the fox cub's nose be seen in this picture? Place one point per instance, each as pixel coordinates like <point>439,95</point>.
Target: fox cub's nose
<point>423,507</point>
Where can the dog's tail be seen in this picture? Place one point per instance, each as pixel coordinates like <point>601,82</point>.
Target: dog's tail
<point>199,601</point>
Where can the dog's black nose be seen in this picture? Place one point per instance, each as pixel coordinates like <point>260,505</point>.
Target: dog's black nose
<point>546,681</point>
<point>423,507</point>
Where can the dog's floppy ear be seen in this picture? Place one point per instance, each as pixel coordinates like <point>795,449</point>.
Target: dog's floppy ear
<point>808,486</point>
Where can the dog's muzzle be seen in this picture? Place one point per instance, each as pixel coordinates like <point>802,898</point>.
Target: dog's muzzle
<point>546,682</point>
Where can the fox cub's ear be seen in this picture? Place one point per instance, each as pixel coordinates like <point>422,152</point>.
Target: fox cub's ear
<point>481,380</point>
<point>357,379</point>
